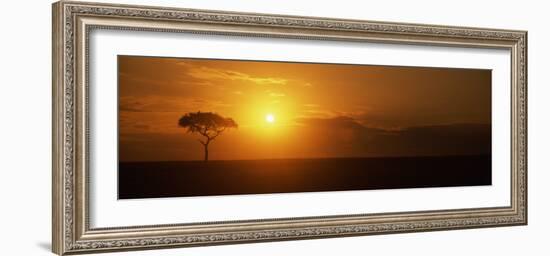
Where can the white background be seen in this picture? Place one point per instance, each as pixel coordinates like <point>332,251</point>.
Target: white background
<point>25,105</point>
<point>107,211</point>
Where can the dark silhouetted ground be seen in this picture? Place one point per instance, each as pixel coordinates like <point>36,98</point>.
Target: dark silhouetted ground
<point>197,178</point>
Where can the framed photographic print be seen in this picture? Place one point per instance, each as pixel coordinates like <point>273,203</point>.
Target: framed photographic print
<point>178,127</point>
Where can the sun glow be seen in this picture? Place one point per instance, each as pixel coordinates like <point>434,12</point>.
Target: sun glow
<point>270,118</point>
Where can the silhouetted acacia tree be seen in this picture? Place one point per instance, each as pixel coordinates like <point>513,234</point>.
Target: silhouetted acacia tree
<point>209,125</point>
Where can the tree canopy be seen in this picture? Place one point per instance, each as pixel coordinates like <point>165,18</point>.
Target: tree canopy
<point>208,124</point>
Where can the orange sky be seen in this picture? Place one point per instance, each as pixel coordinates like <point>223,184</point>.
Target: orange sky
<point>320,110</point>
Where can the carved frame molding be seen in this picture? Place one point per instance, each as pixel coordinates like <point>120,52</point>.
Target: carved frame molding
<point>72,23</point>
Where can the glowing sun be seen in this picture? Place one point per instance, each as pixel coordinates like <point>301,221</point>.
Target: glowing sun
<point>270,118</point>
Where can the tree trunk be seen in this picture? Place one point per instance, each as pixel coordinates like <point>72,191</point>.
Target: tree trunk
<point>206,152</point>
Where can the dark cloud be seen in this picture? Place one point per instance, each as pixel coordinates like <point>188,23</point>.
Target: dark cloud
<point>156,104</point>
<point>142,126</point>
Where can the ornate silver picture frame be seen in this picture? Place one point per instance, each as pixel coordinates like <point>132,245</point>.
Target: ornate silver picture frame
<point>74,21</point>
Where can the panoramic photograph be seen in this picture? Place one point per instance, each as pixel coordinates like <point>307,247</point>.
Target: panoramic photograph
<point>213,127</point>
